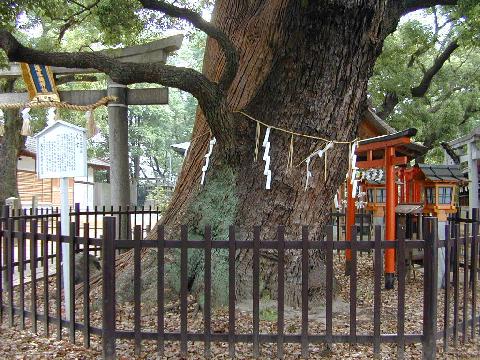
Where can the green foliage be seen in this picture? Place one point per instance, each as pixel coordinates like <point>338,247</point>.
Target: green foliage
<point>161,198</point>
<point>215,206</point>
<point>451,106</point>
<point>268,314</point>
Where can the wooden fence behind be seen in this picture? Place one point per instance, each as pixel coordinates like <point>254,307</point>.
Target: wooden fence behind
<point>463,250</point>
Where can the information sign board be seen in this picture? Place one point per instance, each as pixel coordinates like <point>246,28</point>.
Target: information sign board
<point>61,151</point>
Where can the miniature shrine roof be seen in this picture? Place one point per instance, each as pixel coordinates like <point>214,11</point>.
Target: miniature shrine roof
<point>442,172</point>
<point>181,148</point>
<point>412,149</point>
<point>409,208</point>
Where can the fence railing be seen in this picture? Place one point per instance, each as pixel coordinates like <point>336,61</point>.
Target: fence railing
<point>144,216</point>
<point>20,293</point>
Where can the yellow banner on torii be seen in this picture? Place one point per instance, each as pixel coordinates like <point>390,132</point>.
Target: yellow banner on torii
<point>40,82</point>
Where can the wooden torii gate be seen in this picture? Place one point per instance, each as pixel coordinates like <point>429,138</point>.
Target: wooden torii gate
<point>156,51</point>
<point>380,153</point>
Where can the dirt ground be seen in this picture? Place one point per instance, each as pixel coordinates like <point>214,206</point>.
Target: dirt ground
<point>17,344</point>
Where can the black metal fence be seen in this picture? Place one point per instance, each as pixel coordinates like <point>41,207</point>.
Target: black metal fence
<point>461,251</point>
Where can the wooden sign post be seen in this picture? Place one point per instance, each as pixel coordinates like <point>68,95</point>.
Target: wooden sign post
<point>62,154</point>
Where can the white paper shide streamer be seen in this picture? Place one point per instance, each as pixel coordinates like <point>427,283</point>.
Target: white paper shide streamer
<point>207,160</point>
<point>51,116</point>
<point>353,167</point>
<point>266,157</point>
<point>320,154</point>
<point>26,129</point>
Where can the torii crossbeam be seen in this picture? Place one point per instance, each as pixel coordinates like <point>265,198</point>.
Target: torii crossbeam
<point>156,51</point>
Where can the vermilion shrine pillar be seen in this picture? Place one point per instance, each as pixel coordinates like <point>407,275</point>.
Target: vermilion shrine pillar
<point>390,205</point>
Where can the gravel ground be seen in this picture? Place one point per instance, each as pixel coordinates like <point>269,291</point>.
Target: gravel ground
<point>18,344</point>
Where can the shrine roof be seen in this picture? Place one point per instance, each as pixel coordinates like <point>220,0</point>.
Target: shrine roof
<point>410,149</point>
<point>405,208</point>
<point>434,172</point>
<point>377,122</point>
<point>181,148</point>
<point>384,138</point>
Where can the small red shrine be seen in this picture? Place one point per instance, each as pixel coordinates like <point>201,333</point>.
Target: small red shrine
<point>435,186</point>
<point>385,153</point>
<point>390,184</point>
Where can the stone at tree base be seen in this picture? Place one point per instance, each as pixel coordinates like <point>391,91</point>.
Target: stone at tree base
<point>94,266</point>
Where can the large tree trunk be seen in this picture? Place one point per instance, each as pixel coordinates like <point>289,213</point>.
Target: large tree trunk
<point>10,145</point>
<point>304,66</point>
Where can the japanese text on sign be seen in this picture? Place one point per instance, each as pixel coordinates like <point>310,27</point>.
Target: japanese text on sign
<point>61,152</point>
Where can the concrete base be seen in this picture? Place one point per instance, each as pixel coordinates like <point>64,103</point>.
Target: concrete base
<point>441,256</point>
<point>389,281</point>
<point>376,220</point>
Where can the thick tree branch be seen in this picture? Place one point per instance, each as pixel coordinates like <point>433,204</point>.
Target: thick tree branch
<point>184,79</point>
<point>231,54</point>
<point>422,88</point>
<point>65,79</point>
<point>210,98</point>
<point>389,102</point>
<point>413,5</point>
<point>453,155</point>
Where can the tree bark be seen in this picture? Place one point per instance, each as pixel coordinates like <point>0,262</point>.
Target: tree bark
<point>303,68</point>
<point>10,146</point>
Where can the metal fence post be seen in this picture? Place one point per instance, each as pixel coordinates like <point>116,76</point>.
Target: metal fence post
<point>9,258</point>
<point>76,220</point>
<point>473,270</point>
<point>3,255</point>
<point>430,228</point>
<point>108,287</point>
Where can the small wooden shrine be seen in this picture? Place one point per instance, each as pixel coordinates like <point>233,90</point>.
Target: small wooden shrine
<point>376,195</point>
<point>436,186</point>
<point>383,155</point>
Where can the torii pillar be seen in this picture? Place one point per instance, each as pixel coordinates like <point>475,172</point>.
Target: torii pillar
<point>365,149</point>
<point>118,144</point>
<point>118,149</point>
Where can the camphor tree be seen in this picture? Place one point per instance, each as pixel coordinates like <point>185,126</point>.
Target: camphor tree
<point>427,77</point>
<point>299,65</point>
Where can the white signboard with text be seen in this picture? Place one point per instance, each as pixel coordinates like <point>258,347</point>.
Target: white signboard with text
<point>61,151</point>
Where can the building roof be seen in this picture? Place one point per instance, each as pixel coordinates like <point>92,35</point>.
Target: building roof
<point>409,208</point>
<point>30,149</point>
<point>377,123</point>
<point>181,148</point>
<point>392,136</point>
<point>412,150</point>
<point>442,172</point>
<point>60,123</point>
